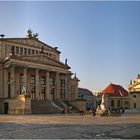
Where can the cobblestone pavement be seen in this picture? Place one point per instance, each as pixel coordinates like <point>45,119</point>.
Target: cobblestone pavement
<point>69,127</point>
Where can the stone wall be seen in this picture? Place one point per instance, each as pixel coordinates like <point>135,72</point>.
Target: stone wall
<point>1,107</point>
<point>79,104</point>
<point>21,105</point>
<point>1,81</point>
<point>135,100</point>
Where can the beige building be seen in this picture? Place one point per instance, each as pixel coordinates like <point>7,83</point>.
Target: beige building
<point>134,93</point>
<point>32,68</point>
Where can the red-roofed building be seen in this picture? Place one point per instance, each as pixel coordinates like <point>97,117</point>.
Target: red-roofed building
<point>117,96</point>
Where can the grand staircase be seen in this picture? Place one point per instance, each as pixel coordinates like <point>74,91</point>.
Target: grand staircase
<point>44,107</point>
<point>50,107</point>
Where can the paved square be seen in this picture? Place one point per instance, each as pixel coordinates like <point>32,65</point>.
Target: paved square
<point>68,127</point>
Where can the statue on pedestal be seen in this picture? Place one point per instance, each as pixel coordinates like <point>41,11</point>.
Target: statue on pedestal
<point>101,109</point>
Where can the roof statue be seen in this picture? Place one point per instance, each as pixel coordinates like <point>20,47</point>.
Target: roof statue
<point>30,34</point>
<point>138,76</point>
<point>42,50</point>
<point>2,35</point>
<point>35,35</point>
<point>66,62</point>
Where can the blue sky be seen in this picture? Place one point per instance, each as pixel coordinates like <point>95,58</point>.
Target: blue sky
<point>101,40</point>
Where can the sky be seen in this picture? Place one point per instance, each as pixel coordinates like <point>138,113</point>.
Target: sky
<point>100,39</point>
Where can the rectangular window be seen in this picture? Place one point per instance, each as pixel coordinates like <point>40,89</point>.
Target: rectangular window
<point>21,86</point>
<point>25,51</point>
<point>62,82</point>
<point>21,78</point>
<point>118,103</point>
<point>21,51</point>
<point>9,75</point>
<point>29,51</point>
<point>135,105</point>
<point>13,50</point>
<point>9,91</point>
<point>33,93</point>
<point>134,96</point>
<point>52,94</point>
<point>42,80</point>
<point>112,103</point>
<point>62,94</point>
<point>52,81</point>
<point>43,93</point>
<point>36,52</point>
<point>32,79</point>
<point>33,51</point>
<point>17,50</point>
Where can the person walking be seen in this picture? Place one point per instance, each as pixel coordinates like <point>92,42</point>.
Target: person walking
<point>81,112</point>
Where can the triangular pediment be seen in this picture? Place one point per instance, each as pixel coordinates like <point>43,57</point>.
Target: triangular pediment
<point>43,59</point>
<point>32,42</point>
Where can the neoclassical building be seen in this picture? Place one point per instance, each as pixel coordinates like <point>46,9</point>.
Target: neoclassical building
<point>134,93</point>
<point>32,68</point>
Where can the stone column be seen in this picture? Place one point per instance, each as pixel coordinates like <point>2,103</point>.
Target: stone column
<point>48,94</point>
<point>66,87</point>
<point>37,83</point>
<point>25,79</point>
<point>12,82</point>
<point>57,86</point>
<point>69,90</point>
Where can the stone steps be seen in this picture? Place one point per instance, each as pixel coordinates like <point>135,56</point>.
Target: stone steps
<point>43,107</point>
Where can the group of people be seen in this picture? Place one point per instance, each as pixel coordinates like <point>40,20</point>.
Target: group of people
<point>66,110</point>
<point>92,110</point>
<point>116,111</point>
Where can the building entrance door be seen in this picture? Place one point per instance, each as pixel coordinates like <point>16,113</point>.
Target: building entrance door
<point>6,107</point>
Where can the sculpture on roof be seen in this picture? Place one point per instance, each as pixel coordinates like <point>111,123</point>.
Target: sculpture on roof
<point>66,62</point>
<point>42,50</point>
<point>35,35</point>
<point>2,35</point>
<point>30,34</point>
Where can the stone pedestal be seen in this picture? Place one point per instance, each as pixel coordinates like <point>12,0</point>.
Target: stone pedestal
<point>21,105</point>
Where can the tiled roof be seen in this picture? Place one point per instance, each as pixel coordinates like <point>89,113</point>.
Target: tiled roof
<point>115,90</point>
<point>85,91</point>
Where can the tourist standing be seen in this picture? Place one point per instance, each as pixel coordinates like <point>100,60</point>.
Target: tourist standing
<point>81,112</point>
